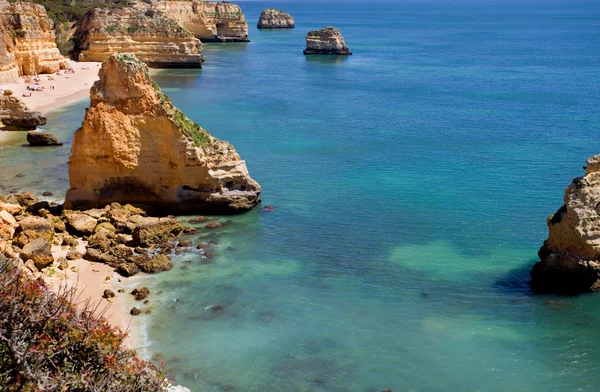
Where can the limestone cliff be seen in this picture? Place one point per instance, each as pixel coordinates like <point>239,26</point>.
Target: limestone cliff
<point>135,147</point>
<point>27,42</point>
<point>150,35</point>
<point>328,40</point>
<point>209,21</point>
<point>275,19</point>
<point>570,257</point>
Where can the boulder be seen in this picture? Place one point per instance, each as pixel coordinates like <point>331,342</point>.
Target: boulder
<point>25,121</point>
<point>271,18</point>
<point>81,224</point>
<point>26,199</point>
<point>13,209</point>
<point>127,269</point>
<point>140,293</point>
<point>40,251</point>
<point>152,234</point>
<point>135,311</point>
<point>154,264</point>
<point>328,40</point>
<point>74,255</point>
<point>42,139</point>
<point>31,228</point>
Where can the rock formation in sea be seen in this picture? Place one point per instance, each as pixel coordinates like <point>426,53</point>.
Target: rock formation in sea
<point>570,257</point>
<point>152,36</point>
<point>209,21</point>
<point>328,40</point>
<point>41,139</point>
<point>15,115</point>
<point>135,147</point>
<point>275,19</point>
<point>28,42</point>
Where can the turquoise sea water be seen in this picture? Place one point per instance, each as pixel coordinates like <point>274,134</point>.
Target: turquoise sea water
<point>411,183</point>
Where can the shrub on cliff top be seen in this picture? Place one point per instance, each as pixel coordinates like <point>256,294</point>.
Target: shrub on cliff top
<point>48,343</point>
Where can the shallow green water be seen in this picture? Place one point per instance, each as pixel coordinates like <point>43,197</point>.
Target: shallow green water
<point>411,183</point>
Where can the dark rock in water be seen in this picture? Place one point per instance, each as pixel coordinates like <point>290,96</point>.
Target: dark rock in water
<point>20,175</point>
<point>135,311</point>
<point>189,230</point>
<point>25,120</point>
<point>217,307</point>
<point>127,269</point>
<point>140,293</point>
<point>214,225</point>
<point>186,243</point>
<point>108,294</point>
<point>268,209</point>
<point>42,139</point>
<point>47,193</point>
<point>328,40</point>
<point>200,219</point>
<point>275,19</point>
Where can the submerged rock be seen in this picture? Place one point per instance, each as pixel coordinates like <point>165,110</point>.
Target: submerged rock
<point>570,257</point>
<point>42,139</point>
<point>275,19</point>
<point>135,147</point>
<point>328,40</point>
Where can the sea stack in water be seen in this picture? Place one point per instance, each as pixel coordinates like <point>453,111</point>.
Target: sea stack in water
<point>570,257</point>
<point>275,19</point>
<point>135,147</point>
<point>328,40</point>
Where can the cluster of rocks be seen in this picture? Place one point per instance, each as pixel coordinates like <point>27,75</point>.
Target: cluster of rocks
<point>121,236</point>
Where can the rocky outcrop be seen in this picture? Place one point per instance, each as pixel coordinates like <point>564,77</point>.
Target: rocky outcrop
<point>209,21</point>
<point>135,147</point>
<point>275,19</point>
<point>40,139</point>
<point>15,115</point>
<point>153,37</point>
<point>328,40</point>
<point>28,42</point>
<point>570,257</point>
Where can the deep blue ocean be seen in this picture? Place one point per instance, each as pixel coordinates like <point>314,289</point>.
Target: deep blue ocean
<point>411,184</point>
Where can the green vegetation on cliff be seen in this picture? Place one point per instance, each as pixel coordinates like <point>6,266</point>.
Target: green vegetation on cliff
<point>62,11</point>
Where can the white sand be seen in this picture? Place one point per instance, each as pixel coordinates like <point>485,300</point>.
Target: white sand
<point>90,280</point>
<point>68,88</point>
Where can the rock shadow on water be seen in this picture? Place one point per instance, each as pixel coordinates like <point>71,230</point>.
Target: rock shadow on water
<point>317,59</point>
<point>516,281</point>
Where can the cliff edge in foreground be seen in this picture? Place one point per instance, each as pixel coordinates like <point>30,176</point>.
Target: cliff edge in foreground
<point>135,147</point>
<point>570,257</point>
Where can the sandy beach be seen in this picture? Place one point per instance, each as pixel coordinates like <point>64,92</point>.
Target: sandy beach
<point>91,279</point>
<point>68,87</point>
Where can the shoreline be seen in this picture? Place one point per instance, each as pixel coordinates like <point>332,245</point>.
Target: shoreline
<point>90,280</point>
<point>68,87</point>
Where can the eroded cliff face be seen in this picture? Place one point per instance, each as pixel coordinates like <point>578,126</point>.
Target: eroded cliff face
<point>328,40</point>
<point>27,42</point>
<point>135,147</point>
<point>209,21</point>
<point>570,257</point>
<point>275,19</point>
<point>150,35</point>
